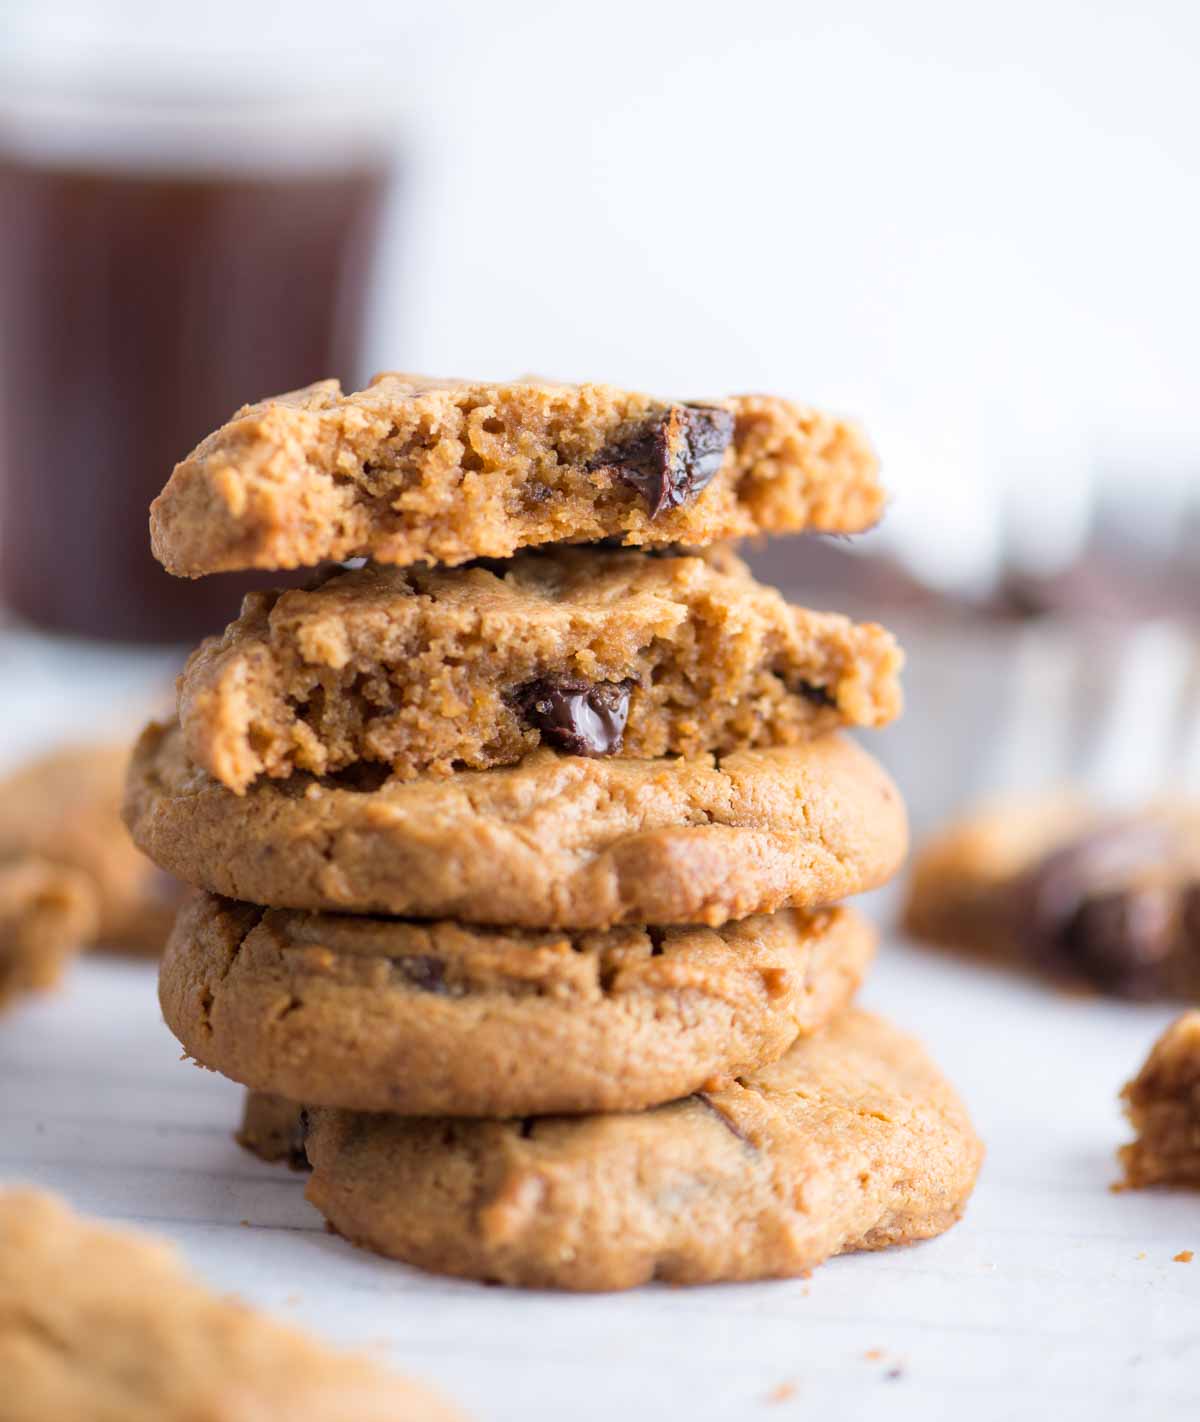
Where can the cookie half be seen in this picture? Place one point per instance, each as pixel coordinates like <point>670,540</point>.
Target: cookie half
<point>1163,1105</point>
<point>853,1140</point>
<point>416,470</point>
<point>593,651</point>
<point>434,1019</point>
<point>557,840</point>
<point>47,913</point>
<point>98,1325</point>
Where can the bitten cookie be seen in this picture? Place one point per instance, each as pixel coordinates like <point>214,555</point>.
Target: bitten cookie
<point>417,470</point>
<point>65,808</point>
<point>557,840</point>
<point>444,1019</point>
<point>1163,1105</point>
<point>853,1140</point>
<point>596,652</point>
<point>100,1326</point>
<point>1055,884</point>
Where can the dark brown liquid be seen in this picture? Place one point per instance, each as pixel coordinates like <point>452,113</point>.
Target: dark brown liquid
<point>136,314</point>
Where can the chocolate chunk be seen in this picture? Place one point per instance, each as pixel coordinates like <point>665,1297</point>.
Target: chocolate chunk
<point>423,970</point>
<point>1080,914</point>
<point>297,1156</point>
<point>579,717</point>
<point>674,460</point>
<point>818,695</point>
<point>1122,942</point>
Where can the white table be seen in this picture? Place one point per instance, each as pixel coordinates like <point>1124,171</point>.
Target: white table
<point>1054,1298</point>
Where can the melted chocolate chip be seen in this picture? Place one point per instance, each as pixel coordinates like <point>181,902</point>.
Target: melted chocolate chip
<point>1080,913</point>
<point>818,695</point>
<point>579,717</point>
<point>1123,941</point>
<point>674,460</point>
<point>297,1157</point>
<point>424,971</point>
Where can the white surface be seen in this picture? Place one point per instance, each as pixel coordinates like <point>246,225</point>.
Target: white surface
<point>1054,1297</point>
<point>1037,1305</point>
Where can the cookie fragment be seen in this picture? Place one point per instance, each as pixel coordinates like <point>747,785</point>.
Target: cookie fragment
<point>1163,1106</point>
<point>414,470</point>
<point>852,1140</point>
<point>592,652</point>
<point>48,912</point>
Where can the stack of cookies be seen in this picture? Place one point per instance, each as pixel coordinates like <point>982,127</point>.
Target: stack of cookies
<point>522,841</point>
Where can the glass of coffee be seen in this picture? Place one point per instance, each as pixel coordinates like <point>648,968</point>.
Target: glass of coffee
<point>160,265</point>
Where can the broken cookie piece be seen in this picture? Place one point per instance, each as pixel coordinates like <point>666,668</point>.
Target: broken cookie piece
<point>47,913</point>
<point>416,470</point>
<point>1163,1106</point>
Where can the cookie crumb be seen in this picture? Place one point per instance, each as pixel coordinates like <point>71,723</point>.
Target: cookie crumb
<point>1185,1256</point>
<point>894,1374</point>
<point>873,1355</point>
<point>1142,1255</point>
<point>245,1224</point>
<point>782,1392</point>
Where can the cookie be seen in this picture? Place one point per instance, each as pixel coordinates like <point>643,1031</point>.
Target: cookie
<point>555,841</point>
<point>273,1129</point>
<point>853,1140</point>
<point>65,808</point>
<point>101,1326</point>
<point>1163,1105</point>
<point>1052,883</point>
<point>414,470</point>
<point>593,651</point>
<point>47,913</point>
<point>435,1019</point>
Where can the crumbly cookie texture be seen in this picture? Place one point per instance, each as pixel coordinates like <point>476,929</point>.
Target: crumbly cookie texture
<point>65,808</point>
<point>415,470</point>
<point>555,841</point>
<point>100,1326</point>
<point>1055,884</point>
<point>853,1140</point>
<point>1163,1105</point>
<point>594,651</point>
<point>47,913</point>
<point>442,1018</point>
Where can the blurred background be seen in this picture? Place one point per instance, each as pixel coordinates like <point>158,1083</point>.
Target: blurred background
<point>975,228</point>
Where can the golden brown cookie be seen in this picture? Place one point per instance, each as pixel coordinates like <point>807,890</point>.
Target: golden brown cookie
<point>65,808</point>
<point>415,470</point>
<point>557,840</point>
<point>443,1018</point>
<point>1163,1105</point>
<point>594,651</point>
<point>853,1140</point>
<point>100,1326</point>
<point>47,913</point>
<point>1111,901</point>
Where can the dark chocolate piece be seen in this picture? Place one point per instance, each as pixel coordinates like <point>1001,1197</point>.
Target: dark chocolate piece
<point>672,462</point>
<point>818,695</point>
<point>579,717</point>
<point>1123,941</point>
<point>425,971</point>
<point>1080,915</point>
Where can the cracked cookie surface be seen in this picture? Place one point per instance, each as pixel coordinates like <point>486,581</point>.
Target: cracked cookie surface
<point>415,470</point>
<point>98,1325</point>
<point>445,1019</point>
<point>594,651</point>
<point>554,841</point>
<point>852,1140</point>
